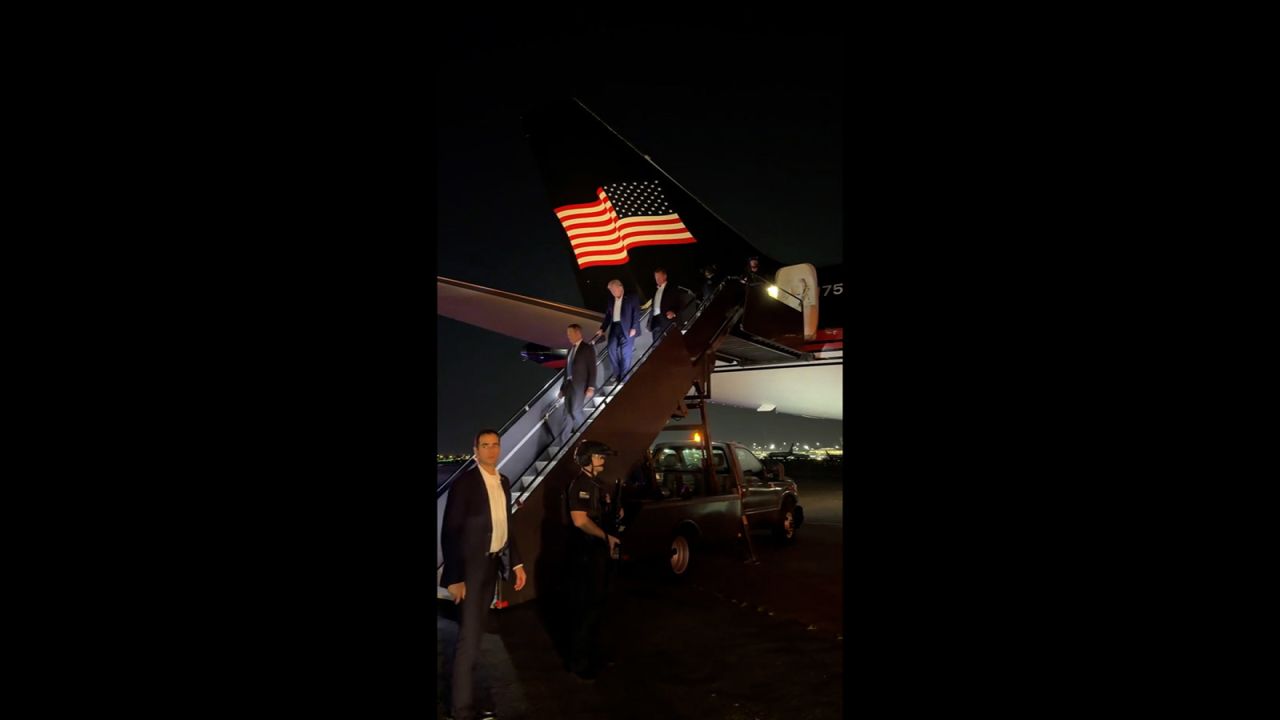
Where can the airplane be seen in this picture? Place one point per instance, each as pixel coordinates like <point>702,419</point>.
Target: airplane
<point>623,217</point>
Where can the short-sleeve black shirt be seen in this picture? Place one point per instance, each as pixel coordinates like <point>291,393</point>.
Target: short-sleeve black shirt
<point>586,495</point>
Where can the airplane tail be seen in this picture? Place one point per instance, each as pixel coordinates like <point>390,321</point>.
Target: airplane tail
<point>622,215</point>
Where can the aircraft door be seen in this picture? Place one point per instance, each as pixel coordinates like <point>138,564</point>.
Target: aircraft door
<point>801,285</point>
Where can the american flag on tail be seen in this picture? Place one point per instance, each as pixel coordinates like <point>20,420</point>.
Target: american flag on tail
<point>624,215</point>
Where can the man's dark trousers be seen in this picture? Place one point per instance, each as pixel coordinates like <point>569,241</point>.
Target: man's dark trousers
<point>574,412</point>
<point>473,615</point>
<point>588,570</point>
<point>660,323</point>
<point>620,346</point>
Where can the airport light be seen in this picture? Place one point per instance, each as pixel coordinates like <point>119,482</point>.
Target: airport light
<point>697,437</point>
<point>773,291</point>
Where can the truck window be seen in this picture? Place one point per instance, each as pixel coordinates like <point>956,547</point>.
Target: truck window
<point>721,462</point>
<point>723,477</point>
<point>679,471</point>
<point>692,458</point>
<point>751,467</point>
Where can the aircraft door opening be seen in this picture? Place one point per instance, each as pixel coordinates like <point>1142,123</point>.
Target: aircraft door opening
<point>802,282</point>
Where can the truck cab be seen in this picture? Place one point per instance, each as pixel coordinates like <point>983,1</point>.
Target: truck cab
<point>677,505</point>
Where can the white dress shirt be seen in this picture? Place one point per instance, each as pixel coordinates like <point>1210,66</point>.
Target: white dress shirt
<point>617,309</point>
<point>568,366</point>
<point>657,300</point>
<point>497,509</point>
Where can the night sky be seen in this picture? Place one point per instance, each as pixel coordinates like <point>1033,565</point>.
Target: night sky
<point>750,124</point>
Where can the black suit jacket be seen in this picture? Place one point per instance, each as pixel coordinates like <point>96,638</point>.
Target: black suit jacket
<point>468,528</point>
<point>584,372</point>
<point>673,299</point>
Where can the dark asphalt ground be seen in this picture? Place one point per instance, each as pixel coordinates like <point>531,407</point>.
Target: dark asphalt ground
<point>732,640</point>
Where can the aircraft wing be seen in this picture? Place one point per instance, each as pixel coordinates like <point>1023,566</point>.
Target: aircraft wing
<point>810,389</point>
<point>518,316</point>
<point>759,379</point>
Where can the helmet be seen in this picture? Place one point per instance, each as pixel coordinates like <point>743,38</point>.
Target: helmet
<point>587,448</point>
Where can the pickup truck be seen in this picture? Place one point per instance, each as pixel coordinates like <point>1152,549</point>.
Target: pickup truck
<point>677,507</point>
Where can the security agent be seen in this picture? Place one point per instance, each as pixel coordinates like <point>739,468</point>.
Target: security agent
<point>590,548</point>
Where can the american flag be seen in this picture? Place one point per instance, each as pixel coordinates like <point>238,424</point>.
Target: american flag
<point>625,215</point>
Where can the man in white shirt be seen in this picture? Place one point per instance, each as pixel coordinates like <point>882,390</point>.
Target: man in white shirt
<point>478,546</point>
<point>667,303</point>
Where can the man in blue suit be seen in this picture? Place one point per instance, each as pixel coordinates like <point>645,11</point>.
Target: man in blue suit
<point>621,322</point>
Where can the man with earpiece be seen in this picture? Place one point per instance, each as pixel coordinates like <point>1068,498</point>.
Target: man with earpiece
<point>590,547</point>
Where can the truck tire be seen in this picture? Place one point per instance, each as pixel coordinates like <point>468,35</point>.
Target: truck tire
<point>681,554</point>
<point>784,530</point>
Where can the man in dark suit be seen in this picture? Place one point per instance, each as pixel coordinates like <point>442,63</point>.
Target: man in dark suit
<point>668,301</point>
<point>579,383</point>
<point>754,275</point>
<point>709,282</point>
<point>621,322</point>
<point>478,546</point>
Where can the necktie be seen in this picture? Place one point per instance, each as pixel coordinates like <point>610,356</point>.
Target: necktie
<point>568,368</point>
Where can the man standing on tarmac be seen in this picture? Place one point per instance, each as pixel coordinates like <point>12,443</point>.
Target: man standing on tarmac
<point>478,546</point>
<point>590,549</point>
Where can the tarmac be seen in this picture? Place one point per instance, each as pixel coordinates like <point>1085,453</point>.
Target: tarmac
<point>732,640</point>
